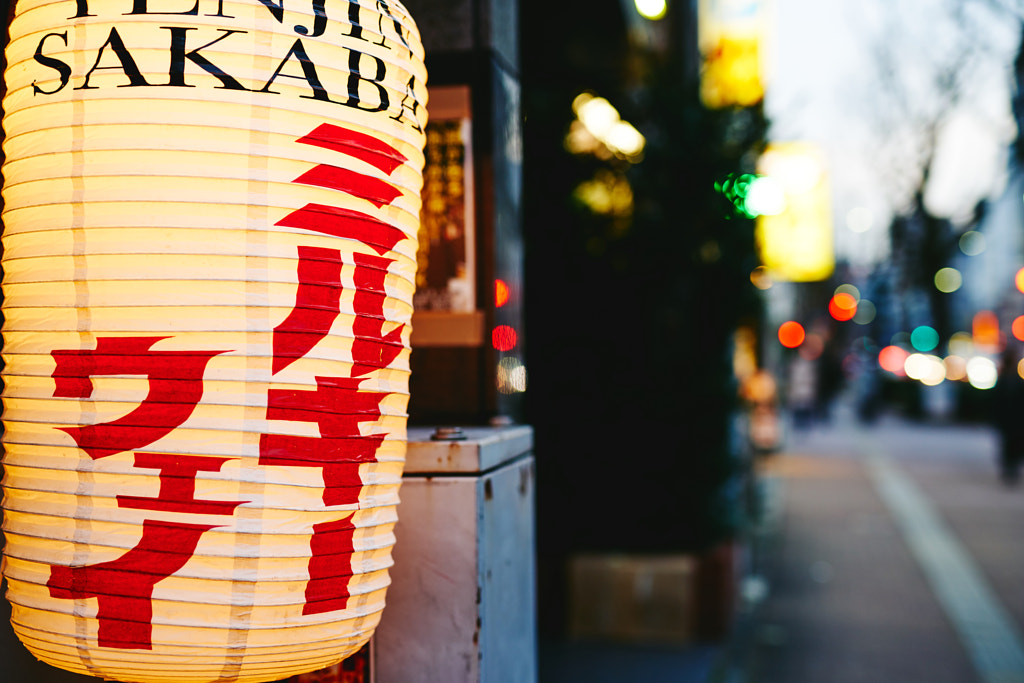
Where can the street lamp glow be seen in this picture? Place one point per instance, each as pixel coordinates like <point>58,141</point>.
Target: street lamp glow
<point>651,9</point>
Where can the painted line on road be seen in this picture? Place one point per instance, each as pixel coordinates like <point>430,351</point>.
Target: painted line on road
<point>984,626</point>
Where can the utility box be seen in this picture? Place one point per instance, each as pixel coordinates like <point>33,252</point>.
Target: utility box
<point>461,605</point>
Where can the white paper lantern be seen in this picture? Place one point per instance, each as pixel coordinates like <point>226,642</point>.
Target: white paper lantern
<point>209,252</point>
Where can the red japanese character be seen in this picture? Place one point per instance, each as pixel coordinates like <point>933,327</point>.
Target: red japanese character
<point>175,388</point>
<point>124,587</point>
<point>337,407</point>
<point>372,348</point>
<point>317,302</point>
<point>330,567</point>
<point>362,146</point>
<point>178,485</point>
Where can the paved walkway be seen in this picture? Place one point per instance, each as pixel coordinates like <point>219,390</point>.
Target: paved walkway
<point>896,556</point>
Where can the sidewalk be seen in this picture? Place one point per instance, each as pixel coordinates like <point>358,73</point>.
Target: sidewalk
<point>897,556</point>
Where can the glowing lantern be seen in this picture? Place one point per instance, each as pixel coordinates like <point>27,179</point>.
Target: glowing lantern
<point>210,221</point>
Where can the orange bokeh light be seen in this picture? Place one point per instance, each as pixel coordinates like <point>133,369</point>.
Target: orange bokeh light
<point>843,306</point>
<point>892,358</point>
<point>1019,279</point>
<point>504,338</point>
<point>1018,327</point>
<point>985,329</point>
<point>501,293</point>
<point>791,334</point>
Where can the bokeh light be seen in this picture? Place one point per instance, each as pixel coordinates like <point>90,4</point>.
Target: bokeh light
<point>765,197</point>
<point>842,307</point>
<point>761,278</point>
<point>791,334</point>
<point>501,293</point>
<point>601,121</point>
<point>924,338</point>
<point>511,377</point>
<point>948,280</point>
<point>1018,327</point>
<point>972,243</point>
<point>848,289</point>
<point>504,338</point>
<point>982,372</point>
<point>892,359</point>
<point>956,368</point>
<point>651,9</point>
<point>985,330</point>
<point>813,347</point>
<point>866,312</point>
<point>1018,280</point>
<point>925,368</point>
<point>961,344</point>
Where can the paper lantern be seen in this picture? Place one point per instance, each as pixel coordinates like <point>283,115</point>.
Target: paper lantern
<point>210,221</point>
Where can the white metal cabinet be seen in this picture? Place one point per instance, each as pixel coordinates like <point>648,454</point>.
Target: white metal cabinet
<point>462,604</point>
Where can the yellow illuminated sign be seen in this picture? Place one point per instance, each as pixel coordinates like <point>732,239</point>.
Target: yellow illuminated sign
<point>795,244</point>
<point>731,37</point>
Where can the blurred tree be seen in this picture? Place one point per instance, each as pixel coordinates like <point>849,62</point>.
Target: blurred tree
<point>930,67</point>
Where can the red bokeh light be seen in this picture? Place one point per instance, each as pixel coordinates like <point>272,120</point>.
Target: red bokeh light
<point>842,307</point>
<point>501,293</point>
<point>504,338</point>
<point>791,334</point>
<point>892,359</point>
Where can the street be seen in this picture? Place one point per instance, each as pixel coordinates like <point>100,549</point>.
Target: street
<point>891,552</point>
